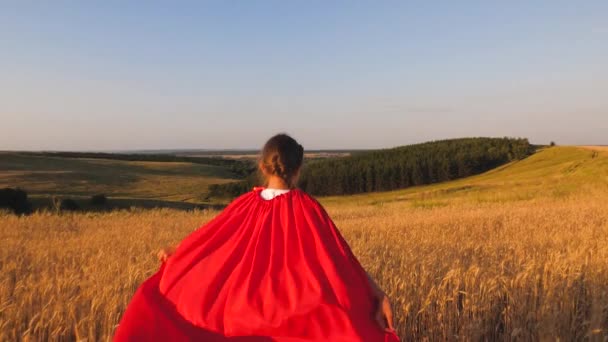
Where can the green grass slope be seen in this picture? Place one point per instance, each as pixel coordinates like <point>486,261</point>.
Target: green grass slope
<point>554,172</point>
<point>44,176</point>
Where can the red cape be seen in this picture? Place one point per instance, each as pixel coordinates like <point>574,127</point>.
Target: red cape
<point>262,270</point>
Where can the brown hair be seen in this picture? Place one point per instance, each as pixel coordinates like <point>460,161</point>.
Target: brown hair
<point>282,156</point>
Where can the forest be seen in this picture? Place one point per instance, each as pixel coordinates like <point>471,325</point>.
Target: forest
<point>397,168</point>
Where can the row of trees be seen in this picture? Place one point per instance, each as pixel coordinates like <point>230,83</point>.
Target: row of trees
<point>412,165</point>
<point>239,168</point>
<point>233,189</point>
<point>400,167</point>
<point>17,201</point>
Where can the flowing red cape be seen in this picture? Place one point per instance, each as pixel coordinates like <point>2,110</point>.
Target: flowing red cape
<point>262,270</point>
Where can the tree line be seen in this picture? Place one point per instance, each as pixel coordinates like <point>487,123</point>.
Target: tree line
<point>239,168</point>
<point>397,168</point>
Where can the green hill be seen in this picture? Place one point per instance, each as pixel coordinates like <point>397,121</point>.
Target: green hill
<point>551,172</point>
<point>43,176</point>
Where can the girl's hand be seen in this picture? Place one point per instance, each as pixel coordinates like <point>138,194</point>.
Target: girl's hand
<point>384,313</point>
<point>165,253</point>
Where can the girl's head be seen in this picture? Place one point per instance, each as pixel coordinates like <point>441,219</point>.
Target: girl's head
<point>282,157</point>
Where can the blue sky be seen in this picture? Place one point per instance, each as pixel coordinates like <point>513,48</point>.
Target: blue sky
<point>340,74</point>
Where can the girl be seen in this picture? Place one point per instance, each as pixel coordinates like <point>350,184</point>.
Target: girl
<point>271,267</point>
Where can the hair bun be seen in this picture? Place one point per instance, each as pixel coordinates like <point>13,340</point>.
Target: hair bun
<point>282,156</point>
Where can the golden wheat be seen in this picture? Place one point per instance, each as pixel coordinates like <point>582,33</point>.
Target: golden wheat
<point>530,269</point>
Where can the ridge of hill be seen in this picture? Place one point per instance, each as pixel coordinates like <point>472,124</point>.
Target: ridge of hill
<point>166,183</point>
<point>550,172</point>
<point>554,172</point>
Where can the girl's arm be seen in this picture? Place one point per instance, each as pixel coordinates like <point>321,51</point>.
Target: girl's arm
<point>384,313</point>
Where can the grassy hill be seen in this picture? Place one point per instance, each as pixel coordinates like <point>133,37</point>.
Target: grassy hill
<point>43,176</point>
<point>554,172</point>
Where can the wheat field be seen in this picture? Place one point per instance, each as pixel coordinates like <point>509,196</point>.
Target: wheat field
<point>520,253</point>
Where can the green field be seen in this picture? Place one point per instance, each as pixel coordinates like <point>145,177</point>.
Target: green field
<point>552,172</point>
<point>556,172</point>
<point>130,182</point>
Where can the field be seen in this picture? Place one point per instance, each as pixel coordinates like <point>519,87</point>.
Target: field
<point>518,253</point>
<point>163,183</point>
<point>597,148</point>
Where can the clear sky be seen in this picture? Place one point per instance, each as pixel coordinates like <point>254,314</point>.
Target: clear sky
<point>335,74</point>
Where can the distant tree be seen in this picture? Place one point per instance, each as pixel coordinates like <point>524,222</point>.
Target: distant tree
<point>65,204</point>
<point>552,144</point>
<point>99,199</point>
<point>16,200</point>
<point>69,204</point>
